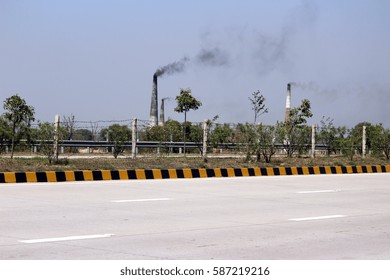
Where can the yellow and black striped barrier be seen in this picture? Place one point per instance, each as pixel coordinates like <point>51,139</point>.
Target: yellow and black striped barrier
<point>98,175</point>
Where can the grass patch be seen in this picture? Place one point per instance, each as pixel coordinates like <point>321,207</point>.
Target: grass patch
<point>104,163</point>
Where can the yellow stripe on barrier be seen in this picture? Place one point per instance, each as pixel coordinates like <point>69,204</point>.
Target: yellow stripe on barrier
<point>203,173</point>
<point>328,170</point>
<point>339,170</point>
<point>217,172</point>
<point>31,177</point>
<point>88,176</point>
<point>10,177</point>
<point>282,171</point>
<point>157,174</point>
<point>123,175</point>
<point>51,176</point>
<point>245,172</point>
<point>270,171</point>
<point>140,174</point>
<point>106,175</point>
<point>187,173</point>
<point>359,169</point>
<point>317,170</point>
<point>294,171</point>
<point>172,173</point>
<point>69,175</point>
<point>230,172</point>
<point>369,169</point>
<point>305,170</point>
<point>257,171</point>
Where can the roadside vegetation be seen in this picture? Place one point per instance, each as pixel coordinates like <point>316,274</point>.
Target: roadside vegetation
<point>286,143</point>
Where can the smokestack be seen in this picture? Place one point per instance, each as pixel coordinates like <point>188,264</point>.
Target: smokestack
<point>162,117</point>
<point>154,103</point>
<point>288,103</point>
<point>161,122</point>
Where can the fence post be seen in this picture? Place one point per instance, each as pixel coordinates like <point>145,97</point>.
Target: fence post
<point>364,141</point>
<point>313,140</point>
<point>134,138</point>
<point>56,126</point>
<point>205,136</point>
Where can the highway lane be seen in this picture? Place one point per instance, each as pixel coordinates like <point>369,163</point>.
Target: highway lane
<point>285,217</point>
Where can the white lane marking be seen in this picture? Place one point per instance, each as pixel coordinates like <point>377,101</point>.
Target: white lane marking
<point>66,238</point>
<point>321,191</point>
<point>141,200</point>
<point>317,218</point>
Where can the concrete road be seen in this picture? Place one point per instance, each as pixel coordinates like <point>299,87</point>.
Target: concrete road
<point>288,217</point>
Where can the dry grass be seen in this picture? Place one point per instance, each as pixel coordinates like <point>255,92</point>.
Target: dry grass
<point>154,162</point>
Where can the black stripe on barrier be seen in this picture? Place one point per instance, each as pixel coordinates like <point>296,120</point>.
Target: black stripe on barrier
<point>322,170</point>
<point>131,174</point>
<point>21,177</point>
<point>60,176</point>
<point>263,171</point>
<point>238,172</point>
<point>383,168</point>
<point>311,170</point>
<point>288,171</point>
<point>344,170</point>
<point>195,173</point>
<point>354,169</point>
<point>364,169</point>
<point>374,169</point>
<point>333,170</point>
<point>2,178</point>
<point>165,174</point>
<point>79,175</point>
<point>115,175</point>
<point>41,177</point>
<point>276,171</point>
<point>300,171</point>
<point>180,173</point>
<point>210,172</point>
<point>97,175</point>
<point>251,172</point>
<point>149,174</point>
<point>224,172</point>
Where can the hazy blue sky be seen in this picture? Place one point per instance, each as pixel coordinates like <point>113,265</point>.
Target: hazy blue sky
<point>95,59</point>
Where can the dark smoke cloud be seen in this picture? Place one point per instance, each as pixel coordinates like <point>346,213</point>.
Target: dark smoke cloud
<point>172,68</point>
<point>213,57</point>
<point>272,51</point>
<point>206,57</point>
<point>314,88</point>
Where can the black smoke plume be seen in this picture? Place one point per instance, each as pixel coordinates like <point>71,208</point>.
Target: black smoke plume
<point>172,68</point>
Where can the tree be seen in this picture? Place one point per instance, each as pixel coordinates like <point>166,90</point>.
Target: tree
<point>118,134</point>
<point>258,105</point>
<point>5,133</point>
<point>221,134</point>
<point>69,124</point>
<point>327,135</point>
<point>185,103</point>
<point>381,141</point>
<point>294,133</point>
<point>266,141</point>
<point>44,135</point>
<point>82,134</point>
<point>19,115</point>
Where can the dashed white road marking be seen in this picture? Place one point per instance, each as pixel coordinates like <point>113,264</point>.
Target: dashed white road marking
<point>66,238</point>
<point>317,218</point>
<point>321,191</point>
<point>141,200</point>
